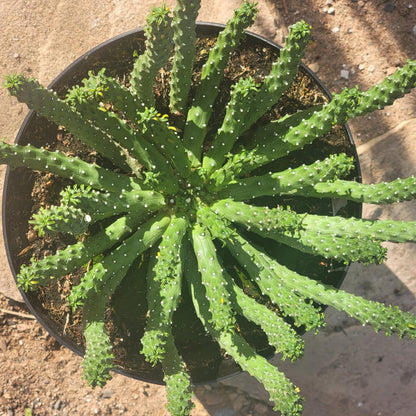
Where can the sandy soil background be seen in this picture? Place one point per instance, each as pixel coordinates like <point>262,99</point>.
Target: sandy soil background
<point>347,369</point>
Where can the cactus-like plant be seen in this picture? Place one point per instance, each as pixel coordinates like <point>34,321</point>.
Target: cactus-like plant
<point>178,195</point>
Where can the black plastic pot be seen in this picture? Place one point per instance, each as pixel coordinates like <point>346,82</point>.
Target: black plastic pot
<point>206,362</point>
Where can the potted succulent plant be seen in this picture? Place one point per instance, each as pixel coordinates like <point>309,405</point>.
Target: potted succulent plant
<point>189,202</point>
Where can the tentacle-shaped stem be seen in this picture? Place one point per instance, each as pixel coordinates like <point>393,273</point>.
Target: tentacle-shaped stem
<point>290,181</point>
<point>157,131</point>
<point>158,31</point>
<point>98,358</point>
<point>67,167</point>
<point>321,180</point>
<point>178,381</point>
<point>212,279</point>
<point>390,89</point>
<point>292,229</point>
<point>164,281</point>
<point>100,205</point>
<point>279,333</point>
<point>347,239</point>
<point>234,123</point>
<point>163,295</point>
<point>212,74</point>
<point>297,136</point>
<point>81,207</point>
<point>46,103</point>
<point>106,275</point>
<point>272,282</point>
<point>381,193</point>
<point>83,100</point>
<point>40,272</point>
<point>282,392</point>
<point>381,318</point>
<point>184,38</point>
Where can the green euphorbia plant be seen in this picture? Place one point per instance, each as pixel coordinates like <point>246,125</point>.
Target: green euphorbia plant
<point>177,196</point>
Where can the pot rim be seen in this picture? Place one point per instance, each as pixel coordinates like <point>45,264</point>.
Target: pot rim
<point>204,27</point>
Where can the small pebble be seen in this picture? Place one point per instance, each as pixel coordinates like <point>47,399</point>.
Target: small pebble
<point>414,30</point>
<point>335,30</point>
<point>107,393</point>
<point>345,73</point>
<point>314,66</point>
<point>371,68</point>
<point>331,10</point>
<point>57,405</point>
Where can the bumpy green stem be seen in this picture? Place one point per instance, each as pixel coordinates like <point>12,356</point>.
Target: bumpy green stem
<point>321,180</point>
<point>158,32</point>
<point>290,302</point>
<point>178,381</point>
<point>184,38</point>
<point>296,181</point>
<point>106,275</point>
<point>98,358</point>
<point>282,73</point>
<point>316,122</point>
<point>380,230</point>
<point>100,205</point>
<point>212,278</point>
<point>279,333</point>
<point>347,239</point>
<point>48,221</point>
<point>271,147</point>
<point>272,282</point>
<point>83,100</point>
<point>164,290</point>
<point>212,74</point>
<point>246,110</point>
<point>111,92</point>
<point>250,216</point>
<point>270,223</point>
<point>40,272</point>
<point>92,206</point>
<point>46,103</point>
<point>381,318</point>
<point>234,122</point>
<point>381,193</point>
<point>66,167</point>
<point>140,149</point>
<point>282,392</point>
<point>157,130</point>
<point>163,295</point>
<point>389,90</point>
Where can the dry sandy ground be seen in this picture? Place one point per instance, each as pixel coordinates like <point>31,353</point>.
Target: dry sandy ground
<point>347,369</point>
